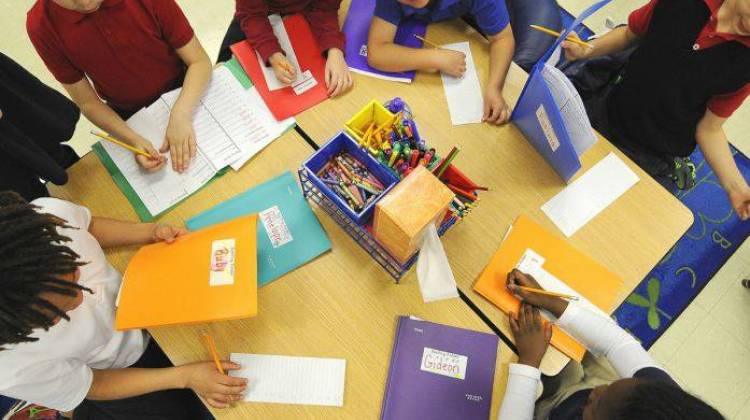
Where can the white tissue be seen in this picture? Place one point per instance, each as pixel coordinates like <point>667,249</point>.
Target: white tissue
<point>436,281</point>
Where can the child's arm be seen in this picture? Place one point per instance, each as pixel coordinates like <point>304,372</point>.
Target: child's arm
<point>502,46</point>
<point>713,142</point>
<point>219,390</point>
<point>180,137</point>
<point>324,22</point>
<point>616,40</point>
<point>383,54</point>
<point>99,113</point>
<point>111,233</point>
<point>253,17</point>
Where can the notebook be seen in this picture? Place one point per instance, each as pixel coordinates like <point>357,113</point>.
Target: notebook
<point>555,263</point>
<point>289,234</point>
<point>439,372</point>
<point>285,102</point>
<point>207,275</point>
<point>357,28</point>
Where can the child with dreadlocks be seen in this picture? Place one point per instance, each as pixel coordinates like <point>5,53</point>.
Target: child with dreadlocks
<point>628,385</point>
<point>58,345</point>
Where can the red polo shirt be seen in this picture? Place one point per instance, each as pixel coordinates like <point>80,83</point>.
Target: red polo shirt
<point>126,48</point>
<point>724,105</point>
<point>322,15</point>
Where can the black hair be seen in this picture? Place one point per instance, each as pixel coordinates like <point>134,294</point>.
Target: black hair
<point>32,258</point>
<point>658,400</point>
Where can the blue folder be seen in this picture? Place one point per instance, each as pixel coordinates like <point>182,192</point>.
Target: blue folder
<point>539,119</point>
<point>300,241</point>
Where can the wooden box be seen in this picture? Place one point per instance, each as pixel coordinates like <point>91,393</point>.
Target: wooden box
<point>400,216</point>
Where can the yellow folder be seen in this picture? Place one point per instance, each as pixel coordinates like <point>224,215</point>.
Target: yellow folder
<point>590,279</point>
<point>207,275</point>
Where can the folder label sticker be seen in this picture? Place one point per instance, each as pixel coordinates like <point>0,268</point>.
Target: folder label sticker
<point>549,132</point>
<point>444,363</point>
<point>276,228</point>
<point>305,82</point>
<point>222,262</point>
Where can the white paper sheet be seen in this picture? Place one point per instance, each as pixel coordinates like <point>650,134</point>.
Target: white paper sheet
<point>277,24</point>
<point>588,195</point>
<point>436,281</point>
<point>533,263</point>
<point>571,107</point>
<point>292,380</point>
<point>464,95</point>
<point>304,82</point>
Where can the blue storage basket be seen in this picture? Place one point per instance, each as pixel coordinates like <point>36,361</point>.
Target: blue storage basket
<point>342,142</point>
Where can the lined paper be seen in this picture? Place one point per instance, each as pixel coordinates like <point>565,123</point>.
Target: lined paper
<point>464,95</point>
<point>588,195</point>
<point>292,380</point>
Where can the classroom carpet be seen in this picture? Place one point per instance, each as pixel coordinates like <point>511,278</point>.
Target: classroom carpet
<point>715,235</point>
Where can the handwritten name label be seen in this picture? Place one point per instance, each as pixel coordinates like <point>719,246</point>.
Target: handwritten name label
<point>444,363</point>
<point>222,262</point>
<point>276,227</point>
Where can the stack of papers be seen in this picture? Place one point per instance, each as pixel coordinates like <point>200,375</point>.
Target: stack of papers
<point>231,125</point>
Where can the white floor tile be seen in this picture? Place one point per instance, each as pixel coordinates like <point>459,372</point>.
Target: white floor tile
<point>729,276</point>
<point>668,344</point>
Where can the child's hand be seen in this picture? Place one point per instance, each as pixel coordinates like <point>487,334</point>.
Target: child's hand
<point>220,391</point>
<point>517,278</point>
<point>283,68</point>
<point>740,199</point>
<point>496,110</point>
<point>150,164</point>
<point>532,335</point>
<point>180,140</point>
<point>574,51</point>
<point>452,63</point>
<point>167,233</point>
<point>338,78</point>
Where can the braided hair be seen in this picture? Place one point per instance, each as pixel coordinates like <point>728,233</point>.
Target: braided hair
<point>657,400</point>
<point>32,258</point>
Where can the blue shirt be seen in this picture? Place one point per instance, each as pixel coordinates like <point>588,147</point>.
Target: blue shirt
<point>491,15</point>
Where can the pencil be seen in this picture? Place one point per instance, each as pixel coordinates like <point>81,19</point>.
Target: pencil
<point>570,37</point>
<point>546,293</point>
<point>111,139</point>
<point>212,349</point>
<point>427,41</point>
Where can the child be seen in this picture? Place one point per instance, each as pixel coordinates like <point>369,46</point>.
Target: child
<point>689,72</point>
<point>251,22</point>
<point>57,307</point>
<point>591,391</point>
<point>492,19</point>
<point>132,51</point>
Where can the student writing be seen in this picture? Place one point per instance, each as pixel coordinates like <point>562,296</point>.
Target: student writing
<point>133,51</point>
<point>491,17</point>
<point>57,309</point>
<point>617,380</point>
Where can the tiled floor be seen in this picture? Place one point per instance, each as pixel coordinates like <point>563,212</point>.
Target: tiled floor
<point>707,348</point>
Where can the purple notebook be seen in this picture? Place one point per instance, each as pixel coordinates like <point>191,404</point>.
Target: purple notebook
<point>439,372</point>
<point>356,29</point>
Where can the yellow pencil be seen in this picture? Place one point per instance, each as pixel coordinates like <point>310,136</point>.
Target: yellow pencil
<point>546,293</point>
<point>111,139</point>
<point>212,349</point>
<point>572,38</point>
<point>427,41</point>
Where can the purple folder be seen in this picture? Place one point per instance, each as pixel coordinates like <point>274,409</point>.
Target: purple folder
<point>439,372</point>
<point>356,29</point>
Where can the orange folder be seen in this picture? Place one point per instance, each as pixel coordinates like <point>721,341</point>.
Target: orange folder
<point>207,275</point>
<point>584,275</point>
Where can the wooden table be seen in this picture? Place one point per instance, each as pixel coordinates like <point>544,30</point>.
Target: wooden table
<point>629,237</point>
<point>341,305</point>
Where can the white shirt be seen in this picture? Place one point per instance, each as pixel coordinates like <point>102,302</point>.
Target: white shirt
<point>56,370</point>
<point>599,334</point>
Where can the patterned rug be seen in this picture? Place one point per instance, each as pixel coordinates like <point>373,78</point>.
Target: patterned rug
<point>714,236</point>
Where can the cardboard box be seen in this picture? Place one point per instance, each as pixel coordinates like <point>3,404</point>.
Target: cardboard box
<point>400,216</point>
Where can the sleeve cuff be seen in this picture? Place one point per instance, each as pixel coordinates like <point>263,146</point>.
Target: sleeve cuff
<point>266,50</point>
<point>567,320</point>
<point>82,392</point>
<point>525,371</point>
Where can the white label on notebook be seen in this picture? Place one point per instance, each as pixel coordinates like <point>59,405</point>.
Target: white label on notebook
<point>222,262</point>
<point>549,132</point>
<point>304,82</point>
<point>275,226</point>
<point>444,363</point>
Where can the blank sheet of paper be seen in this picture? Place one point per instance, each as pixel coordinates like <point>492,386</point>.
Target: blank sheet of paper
<point>277,24</point>
<point>588,195</point>
<point>464,95</point>
<point>292,380</point>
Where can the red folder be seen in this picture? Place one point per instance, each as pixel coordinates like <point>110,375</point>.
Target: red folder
<point>284,103</point>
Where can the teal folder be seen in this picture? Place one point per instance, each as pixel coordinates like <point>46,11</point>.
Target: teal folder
<point>289,234</point>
